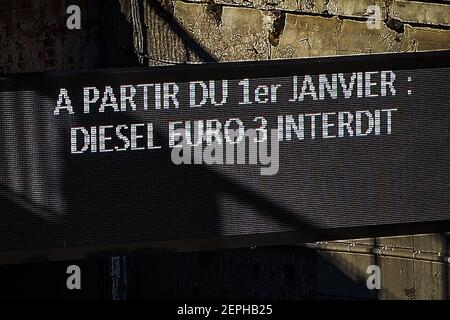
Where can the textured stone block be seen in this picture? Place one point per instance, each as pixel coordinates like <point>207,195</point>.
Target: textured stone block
<point>312,36</point>
<point>421,12</point>
<point>229,33</point>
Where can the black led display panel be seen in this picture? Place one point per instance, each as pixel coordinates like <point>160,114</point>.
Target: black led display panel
<point>237,153</point>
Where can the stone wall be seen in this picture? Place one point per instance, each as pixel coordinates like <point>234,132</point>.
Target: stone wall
<point>274,29</point>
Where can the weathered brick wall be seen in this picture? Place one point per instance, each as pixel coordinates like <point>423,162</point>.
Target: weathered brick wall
<point>34,36</point>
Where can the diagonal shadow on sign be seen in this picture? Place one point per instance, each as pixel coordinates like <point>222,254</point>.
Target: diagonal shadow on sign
<point>145,192</point>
